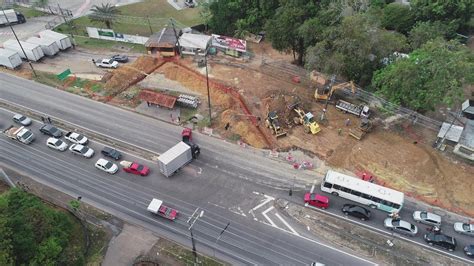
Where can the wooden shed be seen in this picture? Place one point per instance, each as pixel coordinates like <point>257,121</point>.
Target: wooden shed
<point>162,43</point>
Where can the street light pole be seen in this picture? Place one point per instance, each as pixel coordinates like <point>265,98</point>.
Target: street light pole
<point>208,92</point>
<point>19,43</point>
<point>219,237</point>
<point>191,222</point>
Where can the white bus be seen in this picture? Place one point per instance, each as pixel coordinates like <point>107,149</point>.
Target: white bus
<point>363,192</point>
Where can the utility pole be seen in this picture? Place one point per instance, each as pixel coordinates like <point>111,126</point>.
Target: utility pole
<point>149,25</point>
<point>70,27</point>
<point>177,38</point>
<point>208,92</point>
<point>191,222</point>
<point>219,237</point>
<point>19,43</point>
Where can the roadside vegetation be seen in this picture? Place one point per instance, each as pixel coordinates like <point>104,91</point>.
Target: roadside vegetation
<point>33,233</point>
<point>29,12</point>
<point>412,55</point>
<point>143,18</point>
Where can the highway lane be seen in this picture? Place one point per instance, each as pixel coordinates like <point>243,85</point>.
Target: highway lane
<point>222,165</point>
<point>245,242</point>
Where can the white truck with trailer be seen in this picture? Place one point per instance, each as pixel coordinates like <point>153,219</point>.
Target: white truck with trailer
<point>21,134</point>
<point>33,51</point>
<point>62,40</point>
<point>361,110</point>
<point>49,47</point>
<point>11,16</point>
<point>10,59</point>
<point>177,157</point>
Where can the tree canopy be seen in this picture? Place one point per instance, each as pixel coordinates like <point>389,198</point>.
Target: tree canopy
<point>398,17</point>
<point>433,74</point>
<point>105,13</point>
<point>456,13</point>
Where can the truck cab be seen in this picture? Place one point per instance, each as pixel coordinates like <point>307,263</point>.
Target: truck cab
<point>21,134</point>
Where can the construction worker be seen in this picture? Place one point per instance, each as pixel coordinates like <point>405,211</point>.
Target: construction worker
<point>339,131</point>
<point>348,122</point>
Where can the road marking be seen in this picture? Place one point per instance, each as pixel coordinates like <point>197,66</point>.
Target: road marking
<point>312,187</point>
<point>268,218</point>
<point>287,225</point>
<point>264,202</point>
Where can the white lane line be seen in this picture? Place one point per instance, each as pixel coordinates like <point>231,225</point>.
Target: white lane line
<point>264,202</point>
<point>312,187</point>
<point>287,225</point>
<point>268,218</point>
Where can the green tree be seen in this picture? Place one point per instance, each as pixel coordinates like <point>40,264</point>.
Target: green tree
<point>354,49</point>
<point>433,74</point>
<point>105,13</point>
<point>423,32</point>
<point>398,17</point>
<point>41,3</point>
<point>452,12</point>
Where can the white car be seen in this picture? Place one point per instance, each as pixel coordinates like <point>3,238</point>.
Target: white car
<point>107,63</point>
<point>21,119</point>
<point>82,150</point>
<point>56,144</point>
<point>427,218</point>
<point>106,166</point>
<point>464,228</point>
<point>76,138</point>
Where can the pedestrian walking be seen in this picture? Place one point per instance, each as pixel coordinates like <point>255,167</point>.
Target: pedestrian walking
<point>42,119</point>
<point>179,119</point>
<point>49,119</point>
<point>227,126</point>
<point>148,103</point>
<point>348,122</point>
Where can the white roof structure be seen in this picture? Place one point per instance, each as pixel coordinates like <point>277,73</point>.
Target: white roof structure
<point>40,41</point>
<point>7,52</point>
<point>154,205</point>
<point>25,45</point>
<point>454,133</point>
<point>195,41</point>
<point>174,152</point>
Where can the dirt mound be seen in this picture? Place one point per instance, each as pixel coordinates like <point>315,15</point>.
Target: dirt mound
<point>127,75</point>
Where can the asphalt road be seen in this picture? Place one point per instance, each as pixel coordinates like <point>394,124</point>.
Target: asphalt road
<point>229,183</point>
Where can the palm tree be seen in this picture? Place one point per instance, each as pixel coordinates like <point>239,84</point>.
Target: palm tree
<point>105,13</point>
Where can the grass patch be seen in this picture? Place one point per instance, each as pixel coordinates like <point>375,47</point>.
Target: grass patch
<point>29,12</point>
<point>97,87</point>
<point>99,241</point>
<point>47,79</point>
<point>92,44</point>
<point>138,18</point>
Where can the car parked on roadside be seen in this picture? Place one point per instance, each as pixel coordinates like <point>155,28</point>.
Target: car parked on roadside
<point>112,153</point>
<point>76,138</point>
<point>135,168</point>
<point>22,120</point>
<point>464,228</point>
<point>56,144</point>
<point>427,218</point>
<point>81,150</point>
<point>316,200</point>
<point>51,130</point>
<point>400,226</point>
<point>106,166</point>
<point>441,240</point>
<point>356,211</point>
<point>469,250</point>
<point>119,58</point>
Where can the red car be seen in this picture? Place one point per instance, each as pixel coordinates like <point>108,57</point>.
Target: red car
<point>316,200</point>
<point>187,135</point>
<point>135,168</point>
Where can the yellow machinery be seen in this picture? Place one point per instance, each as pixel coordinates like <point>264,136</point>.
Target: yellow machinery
<point>325,93</point>
<point>365,127</point>
<point>305,119</point>
<point>272,123</point>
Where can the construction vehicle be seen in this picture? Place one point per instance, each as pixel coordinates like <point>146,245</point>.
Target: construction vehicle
<point>365,127</point>
<point>361,110</point>
<point>325,93</point>
<point>272,123</point>
<point>305,119</point>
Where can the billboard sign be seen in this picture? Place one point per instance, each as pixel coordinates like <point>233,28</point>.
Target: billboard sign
<point>229,43</point>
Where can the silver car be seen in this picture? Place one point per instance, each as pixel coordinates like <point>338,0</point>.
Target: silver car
<point>400,226</point>
<point>464,228</point>
<point>22,120</point>
<point>427,218</point>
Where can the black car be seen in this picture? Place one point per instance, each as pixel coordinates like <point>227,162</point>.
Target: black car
<point>469,250</point>
<point>356,211</point>
<point>51,130</point>
<point>120,58</point>
<point>441,240</point>
<point>112,153</point>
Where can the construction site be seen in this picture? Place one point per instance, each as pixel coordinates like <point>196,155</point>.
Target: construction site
<point>265,102</point>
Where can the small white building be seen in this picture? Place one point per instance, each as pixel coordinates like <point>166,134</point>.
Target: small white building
<point>193,44</point>
<point>49,46</point>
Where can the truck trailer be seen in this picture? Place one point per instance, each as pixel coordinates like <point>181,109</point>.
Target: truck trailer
<point>10,59</point>
<point>33,51</point>
<point>177,157</point>
<point>62,40</point>
<point>362,111</point>
<point>49,47</point>
<point>11,16</point>
<point>20,134</point>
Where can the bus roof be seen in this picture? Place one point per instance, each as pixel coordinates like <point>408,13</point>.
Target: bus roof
<point>360,185</point>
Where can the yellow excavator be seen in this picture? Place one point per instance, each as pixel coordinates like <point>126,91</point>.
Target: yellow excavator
<point>325,93</point>
<point>305,119</point>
